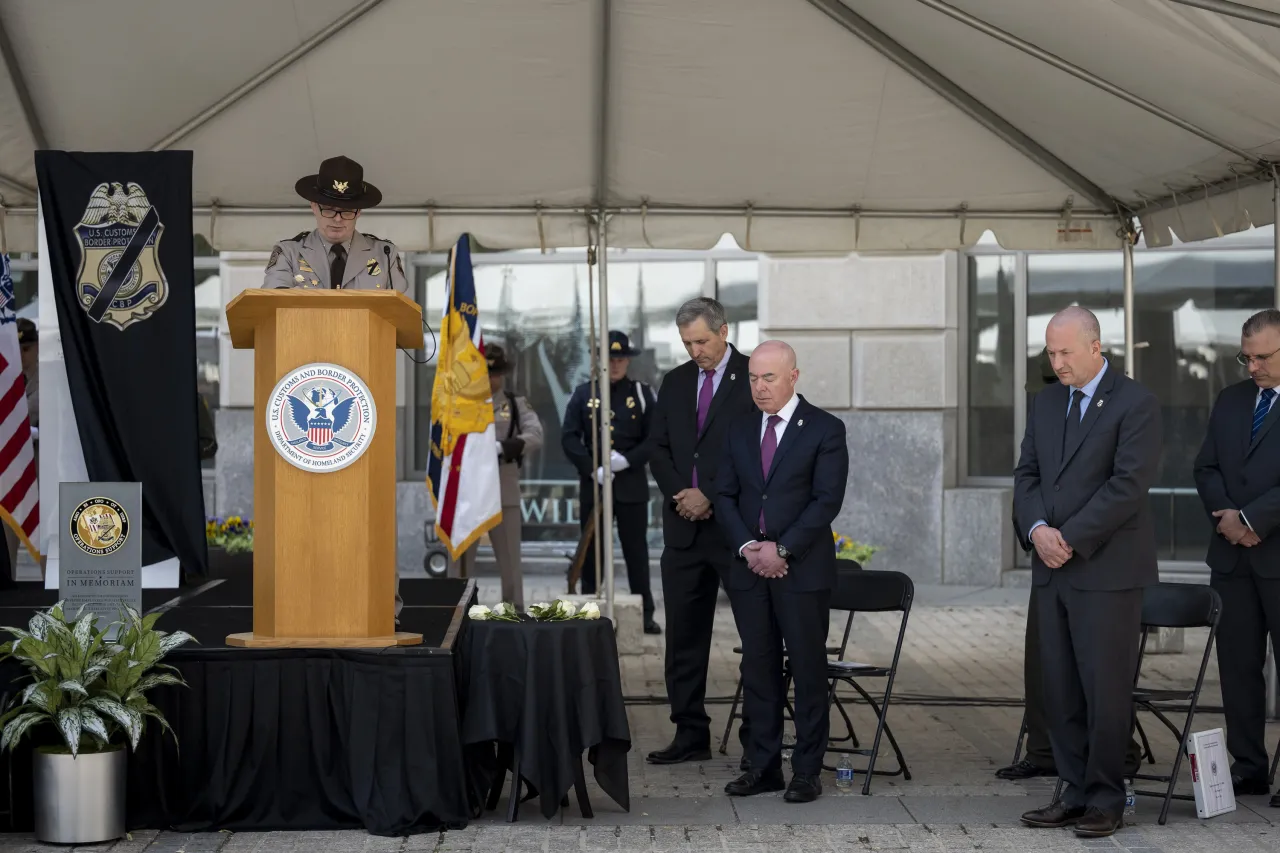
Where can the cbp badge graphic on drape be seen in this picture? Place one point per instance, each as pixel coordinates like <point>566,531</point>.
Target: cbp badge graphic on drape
<point>120,280</point>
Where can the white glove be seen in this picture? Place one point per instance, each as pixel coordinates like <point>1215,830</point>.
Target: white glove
<point>600,475</point>
<point>618,462</point>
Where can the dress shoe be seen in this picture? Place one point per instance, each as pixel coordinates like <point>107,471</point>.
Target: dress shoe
<point>1249,787</point>
<point>1053,816</point>
<point>1098,823</point>
<point>651,627</point>
<point>803,789</point>
<point>1275,800</point>
<point>1024,769</point>
<point>755,782</point>
<point>678,753</point>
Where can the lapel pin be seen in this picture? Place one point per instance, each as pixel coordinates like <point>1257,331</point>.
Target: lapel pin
<point>800,422</point>
<point>732,376</point>
<point>1100,402</point>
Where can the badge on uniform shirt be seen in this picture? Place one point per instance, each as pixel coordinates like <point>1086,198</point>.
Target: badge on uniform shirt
<point>371,266</point>
<point>631,402</point>
<point>299,279</point>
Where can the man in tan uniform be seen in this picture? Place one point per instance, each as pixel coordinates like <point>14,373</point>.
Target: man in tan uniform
<point>335,256</point>
<point>519,433</point>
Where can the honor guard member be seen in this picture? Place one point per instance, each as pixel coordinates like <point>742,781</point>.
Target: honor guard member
<point>335,256</point>
<point>519,435</point>
<point>632,403</point>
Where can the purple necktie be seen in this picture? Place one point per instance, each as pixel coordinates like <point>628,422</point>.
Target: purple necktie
<point>768,446</point>
<point>704,405</point>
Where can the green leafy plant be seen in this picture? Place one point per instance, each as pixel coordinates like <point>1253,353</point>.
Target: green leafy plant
<point>850,549</point>
<point>91,688</point>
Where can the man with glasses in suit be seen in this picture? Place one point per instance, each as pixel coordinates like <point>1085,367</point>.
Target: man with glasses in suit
<point>335,256</point>
<point>1238,477</point>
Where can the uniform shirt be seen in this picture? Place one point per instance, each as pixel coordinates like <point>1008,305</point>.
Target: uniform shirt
<point>303,261</point>
<point>528,429</point>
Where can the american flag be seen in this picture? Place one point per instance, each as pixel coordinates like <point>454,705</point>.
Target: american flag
<point>19,494</point>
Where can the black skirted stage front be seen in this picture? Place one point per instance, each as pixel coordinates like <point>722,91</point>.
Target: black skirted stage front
<point>287,739</point>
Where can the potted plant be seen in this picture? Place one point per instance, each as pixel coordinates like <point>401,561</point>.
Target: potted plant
<point>230,546</point>
<point>91,685</point>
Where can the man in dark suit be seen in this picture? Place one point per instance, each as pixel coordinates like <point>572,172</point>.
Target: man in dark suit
<point>1038,758</point>
<point>780,486</point>
<point>696,403</point>
<point>1238,477</point>
<point>1090,453</point>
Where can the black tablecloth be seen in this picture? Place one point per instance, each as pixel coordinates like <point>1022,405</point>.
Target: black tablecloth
<point>551,690</point>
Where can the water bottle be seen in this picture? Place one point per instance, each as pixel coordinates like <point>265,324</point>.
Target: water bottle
<point>1130,799</point>
<point>844,774</point>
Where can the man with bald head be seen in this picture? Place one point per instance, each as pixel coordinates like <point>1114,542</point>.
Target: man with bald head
<point>1090,453</point>
<point>779,488</point>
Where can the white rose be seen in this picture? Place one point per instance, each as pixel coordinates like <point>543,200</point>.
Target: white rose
<point>590,610</point>
<point>539,607</point>
<point>479,611</point>
<point>566,609</point>
<point>506,608</point>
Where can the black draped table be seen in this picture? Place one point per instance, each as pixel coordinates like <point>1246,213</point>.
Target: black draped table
<point>535,696</point>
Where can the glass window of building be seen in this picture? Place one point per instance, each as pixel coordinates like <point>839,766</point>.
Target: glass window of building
<point>990,427</point>
<point>539,311</point>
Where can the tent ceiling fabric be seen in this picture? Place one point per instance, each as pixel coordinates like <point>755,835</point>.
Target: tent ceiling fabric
<point>766,119</point>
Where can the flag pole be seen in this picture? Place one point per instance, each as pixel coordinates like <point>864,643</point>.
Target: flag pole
<point>595,409</point>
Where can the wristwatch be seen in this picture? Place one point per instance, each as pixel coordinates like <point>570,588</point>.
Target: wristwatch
<point>782,551</point>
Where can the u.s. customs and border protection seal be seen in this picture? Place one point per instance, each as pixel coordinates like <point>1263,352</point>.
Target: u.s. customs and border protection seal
<point>120,281</point>
<point>321,417</point>
<point>99,526</point>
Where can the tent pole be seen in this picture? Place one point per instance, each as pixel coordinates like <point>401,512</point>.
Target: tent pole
<point>1275,230</point>
<point>1128,300</point>
<point>1087,76</point>
<point>1235,10</point>
<point>605,530</point>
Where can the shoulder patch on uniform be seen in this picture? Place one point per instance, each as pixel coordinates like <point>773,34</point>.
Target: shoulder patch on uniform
<point>275,256</point>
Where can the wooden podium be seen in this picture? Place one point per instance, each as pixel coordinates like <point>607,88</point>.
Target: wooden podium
<point>324,557</point>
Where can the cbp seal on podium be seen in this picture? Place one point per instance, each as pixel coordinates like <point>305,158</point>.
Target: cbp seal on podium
<point>99,526</point>
<point>321,417</point>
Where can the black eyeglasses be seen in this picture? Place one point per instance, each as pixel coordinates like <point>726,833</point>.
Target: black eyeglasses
<point>1246,360</point>
<point>332,212</point>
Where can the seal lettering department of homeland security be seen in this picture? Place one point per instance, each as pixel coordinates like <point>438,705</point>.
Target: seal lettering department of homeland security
<point>321,417</point>
<point>120,281</point>
<point>99,526</point>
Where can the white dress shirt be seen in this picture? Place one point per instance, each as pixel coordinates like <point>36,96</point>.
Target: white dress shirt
<point>787,412</point>
<point>715,377</point>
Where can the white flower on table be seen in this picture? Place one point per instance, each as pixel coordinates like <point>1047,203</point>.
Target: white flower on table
<point>479,612</point>
<point>590,610</point>
<point>566,609</point>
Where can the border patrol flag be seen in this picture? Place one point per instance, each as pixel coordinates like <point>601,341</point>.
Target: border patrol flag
<point>462,472</point>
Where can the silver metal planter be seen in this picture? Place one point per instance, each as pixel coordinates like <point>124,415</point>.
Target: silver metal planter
<point>79,800</point>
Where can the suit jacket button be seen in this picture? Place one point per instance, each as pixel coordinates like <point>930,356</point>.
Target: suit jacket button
<point>1057,488</point>
<point>695,456</point>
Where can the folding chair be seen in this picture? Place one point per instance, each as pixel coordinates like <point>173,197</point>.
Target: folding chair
<point>1172,605</point>
<point>870,592</point>
<point>842,566</point>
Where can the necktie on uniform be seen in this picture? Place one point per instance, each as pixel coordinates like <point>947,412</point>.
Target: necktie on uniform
<point>337,266</point>
<point>1073,421</point>
<point>704,405</point>
<point>768,446</point>
<point>1261,410</point>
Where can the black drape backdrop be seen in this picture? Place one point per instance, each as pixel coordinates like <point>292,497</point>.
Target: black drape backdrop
<point>129,337</point>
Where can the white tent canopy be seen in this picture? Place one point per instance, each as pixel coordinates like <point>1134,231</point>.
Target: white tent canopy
<point>795,125</point>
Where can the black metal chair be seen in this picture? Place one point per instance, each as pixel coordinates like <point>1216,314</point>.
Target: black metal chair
<point>1142,736</point>
<point>1172,605</point>
<point>869,591</point>
<point>734,714</point>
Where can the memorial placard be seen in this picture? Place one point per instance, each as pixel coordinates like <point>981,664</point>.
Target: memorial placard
<point>101,548</point>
